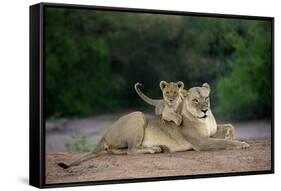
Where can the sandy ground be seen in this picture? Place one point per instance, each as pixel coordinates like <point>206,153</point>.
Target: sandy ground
<point>111,167</point>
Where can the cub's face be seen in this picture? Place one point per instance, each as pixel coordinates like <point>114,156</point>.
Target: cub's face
<point>197,101</point>
<point>171,91</point>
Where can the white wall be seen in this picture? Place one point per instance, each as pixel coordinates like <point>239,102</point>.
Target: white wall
<point>14,88</point>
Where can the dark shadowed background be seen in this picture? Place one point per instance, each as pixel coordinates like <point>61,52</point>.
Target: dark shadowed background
<point>93,59</point>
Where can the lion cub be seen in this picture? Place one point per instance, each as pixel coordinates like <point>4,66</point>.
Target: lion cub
<point>169,105</point>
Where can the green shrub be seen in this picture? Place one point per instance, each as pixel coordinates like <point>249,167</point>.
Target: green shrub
<point>246,91</point>
<point>79,143</point>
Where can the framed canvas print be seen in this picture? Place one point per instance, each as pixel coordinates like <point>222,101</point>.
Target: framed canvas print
<point>126,95</point>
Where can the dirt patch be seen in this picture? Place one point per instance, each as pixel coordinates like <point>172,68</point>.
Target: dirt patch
<point>112,167</point>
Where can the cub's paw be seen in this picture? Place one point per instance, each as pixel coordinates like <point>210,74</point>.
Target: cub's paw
<point>178,120</point>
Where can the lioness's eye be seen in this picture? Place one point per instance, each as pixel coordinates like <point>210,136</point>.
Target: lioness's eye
<point>195,100</point>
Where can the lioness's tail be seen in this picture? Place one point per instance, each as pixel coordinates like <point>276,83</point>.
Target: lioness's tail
<point>148,100</point>
<point>99,150</point>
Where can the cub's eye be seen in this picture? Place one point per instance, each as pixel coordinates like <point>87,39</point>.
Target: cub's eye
<point>175,93</point>
<point>195,100</point>
<point>206,98</point>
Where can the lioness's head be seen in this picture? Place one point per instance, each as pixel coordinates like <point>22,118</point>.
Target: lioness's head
<point>197,101</point>
<point>171,91</point>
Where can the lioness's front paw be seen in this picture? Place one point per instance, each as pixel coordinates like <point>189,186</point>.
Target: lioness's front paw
<point>243,145</point>
<point>229,134</point>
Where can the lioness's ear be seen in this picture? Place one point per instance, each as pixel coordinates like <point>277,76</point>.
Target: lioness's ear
<point>207,86</point>
<point>163,84</point>
<point>180,84</point>
<point>184,93</point>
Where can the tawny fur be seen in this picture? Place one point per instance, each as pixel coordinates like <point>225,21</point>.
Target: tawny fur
<point>136,134</point>
<point>168,106</point>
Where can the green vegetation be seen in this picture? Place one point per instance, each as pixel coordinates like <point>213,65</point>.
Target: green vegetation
<point>248,87</point>
<point>78,143</point>
<point>93,59</point>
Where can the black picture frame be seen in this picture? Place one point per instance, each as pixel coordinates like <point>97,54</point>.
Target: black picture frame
<point>37,94</point>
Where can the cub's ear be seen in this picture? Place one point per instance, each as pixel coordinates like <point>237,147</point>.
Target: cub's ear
<point>184,93</point>
<point>163,84</point>
<point>180,84</point>
<point>207,86</point>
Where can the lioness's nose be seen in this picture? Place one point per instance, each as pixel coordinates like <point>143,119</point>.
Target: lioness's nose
<point>204,110</point>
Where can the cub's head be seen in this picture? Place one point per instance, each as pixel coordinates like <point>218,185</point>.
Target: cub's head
<point>197,101</point>
<point>171,91</point>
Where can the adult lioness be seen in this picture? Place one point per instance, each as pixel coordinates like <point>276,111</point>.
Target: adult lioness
<point>199,129</point>
<point>203,132</point>
<point>134,133</point>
